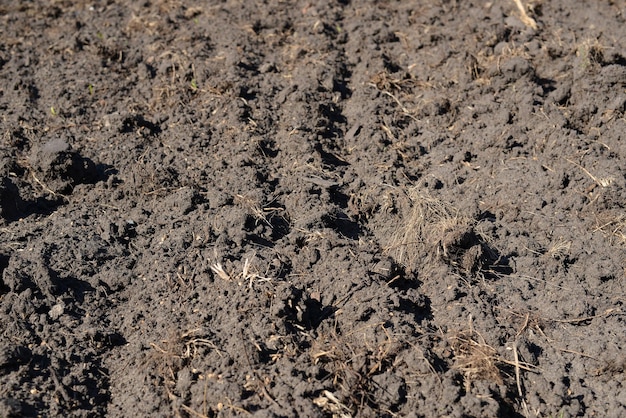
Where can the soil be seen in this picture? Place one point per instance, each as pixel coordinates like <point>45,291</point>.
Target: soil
<point>299,208</point>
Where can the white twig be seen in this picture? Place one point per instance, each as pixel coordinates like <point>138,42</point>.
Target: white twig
<point>527,20</point>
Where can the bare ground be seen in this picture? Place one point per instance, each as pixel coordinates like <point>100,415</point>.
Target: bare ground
<point>299,209</point>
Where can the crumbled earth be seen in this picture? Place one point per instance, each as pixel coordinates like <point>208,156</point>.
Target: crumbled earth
<point>297,208</point>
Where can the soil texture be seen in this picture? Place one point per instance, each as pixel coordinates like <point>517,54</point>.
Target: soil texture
<point>298,208</point>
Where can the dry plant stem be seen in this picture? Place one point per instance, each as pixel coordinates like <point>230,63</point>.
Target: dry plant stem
<point>608,312</point>
<point>527,20</point>
<point>523,366</point>
<point>578,353</point>
<point>530,279</point>
<point>518,380</point>
<point>517,373</point>
<point>39,182</point>
<point>192,412</point>
<point>404,109</point>
<point>219,270</point>
<point>47,189</point>
<point>619,225</point>
<point>262,385</point>
<point>524,326</point>
<point>246,275</point>
<point>530,367</point>
<point>329,402</point>
<point>602,182</point>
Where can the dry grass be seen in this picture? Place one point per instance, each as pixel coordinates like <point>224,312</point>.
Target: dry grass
<point>613,226</point>
<point>384,81</point>
<point>262,213</point>
<point>527,20</point>
<point>431,228</point>
<point>474,358</point>
<point>171,355</point>
<point>248,274</point>
<point>590,52</point>
<point>400,90</point>
<point>559,248</point>
<point>600,181</point>
<point>351,362</point>
<point>477,360</point>
<point>183,346</point>
<point>330,404</point>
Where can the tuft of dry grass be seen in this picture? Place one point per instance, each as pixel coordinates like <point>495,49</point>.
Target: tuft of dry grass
<point>613,225</point>
<point>248,274</point>
<point>559,248</point>
<point>477,360</point>
<point>474,358</point>
<point>399,90</point>
<point>384,81</point>
<point>169,356</point>
<point>184,345</point>
<point>351,362</point>
<point>590,52</point>
<point>431,228</point>
<point>260,213</point>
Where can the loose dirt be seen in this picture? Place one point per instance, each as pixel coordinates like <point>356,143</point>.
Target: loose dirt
<point>294,208</point>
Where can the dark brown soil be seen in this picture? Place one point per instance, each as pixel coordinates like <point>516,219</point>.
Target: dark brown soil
<point>297,209</point>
